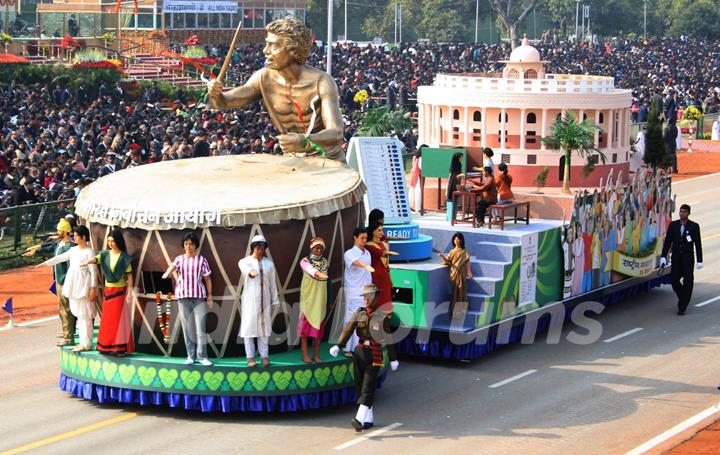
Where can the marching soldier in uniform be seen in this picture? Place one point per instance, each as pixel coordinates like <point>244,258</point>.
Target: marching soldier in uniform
<point>373,330</point>
<point>682,236</point>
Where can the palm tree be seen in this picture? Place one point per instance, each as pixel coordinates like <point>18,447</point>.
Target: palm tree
<point>568,136</point>
<point>381,121</point>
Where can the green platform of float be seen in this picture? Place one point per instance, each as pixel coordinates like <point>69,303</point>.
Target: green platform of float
<point>287,373</point>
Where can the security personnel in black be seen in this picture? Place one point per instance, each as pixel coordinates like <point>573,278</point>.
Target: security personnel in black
<point>373,329</point>
<point>682,236</point>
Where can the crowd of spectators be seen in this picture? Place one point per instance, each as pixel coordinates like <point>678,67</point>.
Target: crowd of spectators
<point>53,142</point>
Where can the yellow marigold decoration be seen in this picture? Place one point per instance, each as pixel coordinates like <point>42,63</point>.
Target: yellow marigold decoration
<point>361,97</point>
<point>692,113</point>
<point>115,61</point>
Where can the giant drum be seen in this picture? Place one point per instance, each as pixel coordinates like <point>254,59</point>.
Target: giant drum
<point>226,201</point>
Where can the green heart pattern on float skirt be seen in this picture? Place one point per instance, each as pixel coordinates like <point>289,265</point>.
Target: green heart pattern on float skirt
<point>91,367</point>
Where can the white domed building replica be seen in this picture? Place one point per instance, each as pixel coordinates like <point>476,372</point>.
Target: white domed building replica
<point>510,112</point>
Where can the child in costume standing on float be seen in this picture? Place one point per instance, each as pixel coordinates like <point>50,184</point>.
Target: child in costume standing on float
<point>80,285</point>
<point>313,299</point>
<point>69,322</point>
<point>192,270</point>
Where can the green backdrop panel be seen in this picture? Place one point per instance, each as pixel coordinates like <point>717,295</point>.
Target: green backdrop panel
<point>436,162</point>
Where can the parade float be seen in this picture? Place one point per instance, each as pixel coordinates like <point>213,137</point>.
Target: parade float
<point>226,200</point>
<point>525,277</point>
<point>599,244</point>
<point>532,275</point>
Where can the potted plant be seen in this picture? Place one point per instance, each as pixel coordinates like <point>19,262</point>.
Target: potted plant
<point>541,178</point>
<point>691,116</point>
<point>68,43</point>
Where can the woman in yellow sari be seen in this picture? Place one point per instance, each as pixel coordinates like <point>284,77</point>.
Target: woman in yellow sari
<point>458,260</point>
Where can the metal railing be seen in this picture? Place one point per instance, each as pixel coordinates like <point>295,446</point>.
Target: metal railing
<point>23,225</point>
<point>551,83</point>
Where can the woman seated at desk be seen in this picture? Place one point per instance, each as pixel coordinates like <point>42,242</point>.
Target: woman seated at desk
<point>503,182</point>
<point>488,195</point>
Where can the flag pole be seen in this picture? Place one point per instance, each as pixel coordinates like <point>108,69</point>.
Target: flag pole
<point>228,57</point>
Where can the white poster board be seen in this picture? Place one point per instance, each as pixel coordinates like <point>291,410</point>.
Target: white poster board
<point>379,162</point>
<point>528,269</point>
<point>195,6</point>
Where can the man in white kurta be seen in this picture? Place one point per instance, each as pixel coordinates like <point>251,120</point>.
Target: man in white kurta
<point>358,273</point>
<point>259,296</point>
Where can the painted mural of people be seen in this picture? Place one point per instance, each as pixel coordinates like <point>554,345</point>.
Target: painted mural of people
<point>568,262</point>
<point>627,217</point>
<point>579,254</point>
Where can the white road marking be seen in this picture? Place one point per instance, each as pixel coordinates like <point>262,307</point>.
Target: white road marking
<point>30,323</point>
<point>708,302</point>
<point>679,428</point>
<point>623,335</point>
<point>514,378</point>
<point>368,436</point>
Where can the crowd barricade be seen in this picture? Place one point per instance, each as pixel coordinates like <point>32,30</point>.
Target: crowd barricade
<point>22,226</point>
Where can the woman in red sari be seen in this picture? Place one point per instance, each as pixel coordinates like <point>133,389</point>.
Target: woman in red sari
<point>379,253</point>
<point>115,335</point>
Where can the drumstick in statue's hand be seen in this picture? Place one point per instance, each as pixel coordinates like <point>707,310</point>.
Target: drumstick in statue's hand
<point>228,57</point>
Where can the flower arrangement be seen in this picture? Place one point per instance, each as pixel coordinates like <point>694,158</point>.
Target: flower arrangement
<point>692,113</point>
<point>361,97</point>
<point>107,36</point>
<point>5,38</point>
<point>194,52</point>
<point>89,55</point>
<point>68,42</point>
<point>115,62</point>
<point>193,40</point>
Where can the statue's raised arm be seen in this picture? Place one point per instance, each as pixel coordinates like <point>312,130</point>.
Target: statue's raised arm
<point>302,101</point>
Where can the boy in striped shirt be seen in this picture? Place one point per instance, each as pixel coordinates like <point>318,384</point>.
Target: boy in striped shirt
<point>192,271</point>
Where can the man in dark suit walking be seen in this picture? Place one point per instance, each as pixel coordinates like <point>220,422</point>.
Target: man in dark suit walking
<point>682,236</point>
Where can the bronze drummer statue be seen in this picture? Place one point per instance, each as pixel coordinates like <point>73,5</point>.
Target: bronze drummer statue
<point>302,101</point>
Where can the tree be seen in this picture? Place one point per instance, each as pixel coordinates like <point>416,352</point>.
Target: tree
<point>436,20</point>
<point>316,17</point>
<point>561,12</point>
<point>568,135</point>
<point>616,17</point>
<point>382,22</point>
<point>696,18</point>
<point>512,14</point>
<point>654,145</point>
<point>441,22</point>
